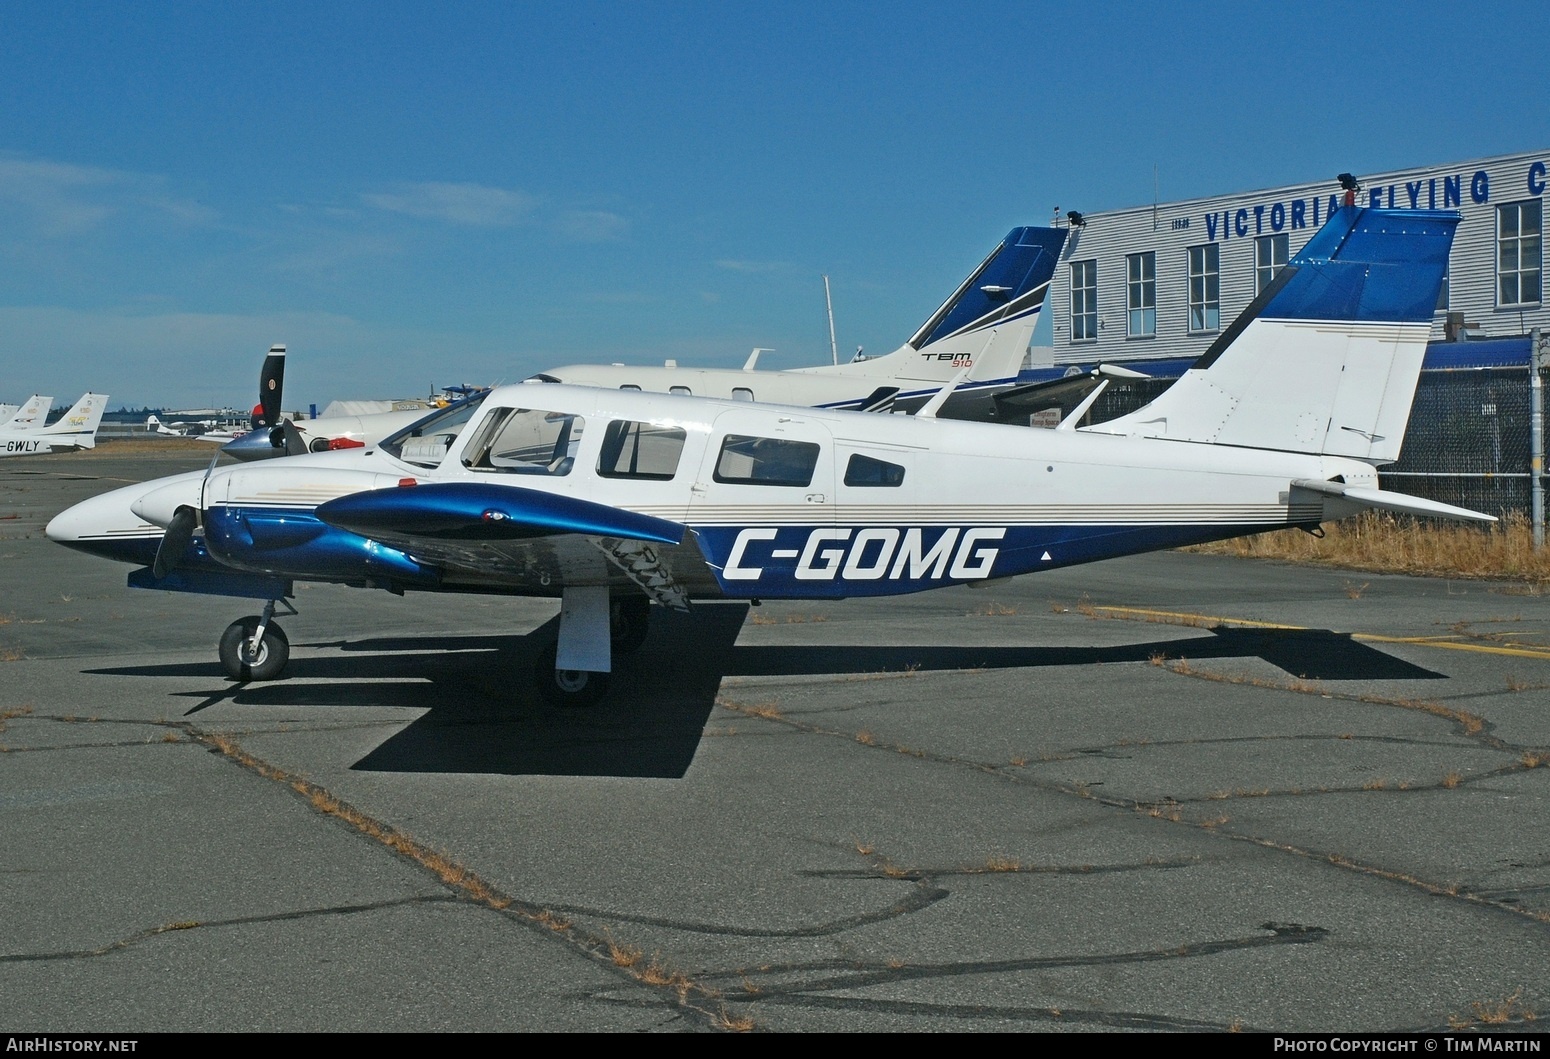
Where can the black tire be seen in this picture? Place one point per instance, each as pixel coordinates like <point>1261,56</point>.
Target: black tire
<point>629,622</point>
<point>239,657</point>
<point>567,687</point>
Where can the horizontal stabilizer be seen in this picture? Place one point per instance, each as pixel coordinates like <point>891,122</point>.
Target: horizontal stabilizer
<point>472,511</point>
<point>1401,503</point>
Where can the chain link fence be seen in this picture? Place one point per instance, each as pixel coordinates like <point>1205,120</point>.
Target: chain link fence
<point>1467,443</point>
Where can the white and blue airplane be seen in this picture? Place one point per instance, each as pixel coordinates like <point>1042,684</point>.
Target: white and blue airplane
<point>984,326</point>
<point>613,500</point>
<point>26,435</point>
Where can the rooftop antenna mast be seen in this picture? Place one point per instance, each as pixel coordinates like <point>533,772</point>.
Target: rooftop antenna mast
<point>834,350</point>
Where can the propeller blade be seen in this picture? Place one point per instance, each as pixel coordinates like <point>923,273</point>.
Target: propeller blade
<point>294,443</point>
<point>175,541</point>
<point>271,384</point>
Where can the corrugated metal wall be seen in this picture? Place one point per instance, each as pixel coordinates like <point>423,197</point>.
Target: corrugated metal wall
<point>1233,222</point>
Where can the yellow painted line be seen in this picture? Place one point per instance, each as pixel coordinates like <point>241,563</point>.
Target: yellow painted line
<point>1519,651</point>
<point>1197,617</point>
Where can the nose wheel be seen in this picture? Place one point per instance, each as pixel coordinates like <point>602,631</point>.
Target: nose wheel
<point>255,647</point>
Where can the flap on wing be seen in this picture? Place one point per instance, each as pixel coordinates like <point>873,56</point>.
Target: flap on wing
<point>472,511</point>
<point>1388,501</point>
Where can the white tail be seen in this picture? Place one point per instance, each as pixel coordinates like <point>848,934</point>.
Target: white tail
<point>30,417</point>
<point>79,425</point>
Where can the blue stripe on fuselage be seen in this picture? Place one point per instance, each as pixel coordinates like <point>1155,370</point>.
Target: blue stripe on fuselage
<point>829,562</point>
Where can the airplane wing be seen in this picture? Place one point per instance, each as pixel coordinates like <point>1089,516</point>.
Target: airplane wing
<point>522,534</point>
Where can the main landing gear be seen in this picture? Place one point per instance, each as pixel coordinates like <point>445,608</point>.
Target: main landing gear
<point>255,647</point>
<point>582,634</point>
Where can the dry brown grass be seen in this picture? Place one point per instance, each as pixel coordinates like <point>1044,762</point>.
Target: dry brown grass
<point>1494,1013</point>
<point>1452,779</point>
<point>1503,551</point>
<point>996,610</point>
<point>11,654</point>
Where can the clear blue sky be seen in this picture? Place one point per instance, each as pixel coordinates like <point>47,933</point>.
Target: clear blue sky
<point>409,194</point>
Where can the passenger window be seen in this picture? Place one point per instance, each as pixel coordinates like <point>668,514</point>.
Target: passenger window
<point>629,386</point>
<point>525,441</point>
<point>748,460</point>
<point>681,391</point>
<point>866,472</point>
<point>640,450</point>
<point>742,393</point>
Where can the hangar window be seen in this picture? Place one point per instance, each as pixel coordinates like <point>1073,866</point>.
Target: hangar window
<point>1205,287</point>
<point>1084,301</point>
<point>1141,294</point>
<point>1270,257</point>
<point>865,471</point>
<point>748,460</point>
<point>1519,238</point>
<point>640,450</point>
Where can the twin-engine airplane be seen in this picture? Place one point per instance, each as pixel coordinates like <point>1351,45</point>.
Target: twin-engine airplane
<point>983,328</point>
<point>25,435</point>
<point>611,500</point>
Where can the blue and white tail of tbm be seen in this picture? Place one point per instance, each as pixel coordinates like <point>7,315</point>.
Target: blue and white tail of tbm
<point>985,325</point>
<point>1325,361</point>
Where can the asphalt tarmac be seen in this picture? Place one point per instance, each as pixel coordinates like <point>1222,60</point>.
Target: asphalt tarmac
<point>1174,792</point>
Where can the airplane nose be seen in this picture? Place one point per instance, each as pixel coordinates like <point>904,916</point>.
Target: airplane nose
<point>66,526</point>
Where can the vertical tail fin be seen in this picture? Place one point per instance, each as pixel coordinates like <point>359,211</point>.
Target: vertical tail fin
<point>987,321</point>
<point>1326,359</point>
<point>30,417</point>
<point>80,423</point>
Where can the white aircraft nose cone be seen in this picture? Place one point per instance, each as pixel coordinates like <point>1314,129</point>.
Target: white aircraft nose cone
<point>159,505</point>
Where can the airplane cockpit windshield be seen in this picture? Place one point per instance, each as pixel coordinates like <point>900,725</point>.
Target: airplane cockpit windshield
<point>425,442</point>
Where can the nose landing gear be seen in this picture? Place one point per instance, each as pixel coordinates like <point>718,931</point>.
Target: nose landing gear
<point>255,647</point>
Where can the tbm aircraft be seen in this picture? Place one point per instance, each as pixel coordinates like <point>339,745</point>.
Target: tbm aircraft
<point>611,500</point>
<point>984,326</point>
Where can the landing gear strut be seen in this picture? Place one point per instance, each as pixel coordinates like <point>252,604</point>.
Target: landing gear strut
<point>255,647</point>
<point>567,687</point>
<point>629,622</point>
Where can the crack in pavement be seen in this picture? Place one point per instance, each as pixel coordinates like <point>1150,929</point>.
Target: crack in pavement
<point>272,917</point>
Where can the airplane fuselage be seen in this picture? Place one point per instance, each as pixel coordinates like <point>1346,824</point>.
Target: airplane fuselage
<point>874,505</point>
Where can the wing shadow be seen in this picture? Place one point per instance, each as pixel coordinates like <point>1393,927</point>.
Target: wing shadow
<point>483,717</point>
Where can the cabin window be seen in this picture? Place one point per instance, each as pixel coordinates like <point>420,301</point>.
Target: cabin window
<point>748,460</point>
<point>640,450</point>
<point>630,386</point>
<point>866,472</point>
<point>1271,253</point>
<point>1141,294</point>
<point>681,391</point>
<point>1084,301</point>
<point>1519,254</point>
<point>742,393</point>
<point>525,441</point>
<point>426,441</point>
<point>1205,287</point>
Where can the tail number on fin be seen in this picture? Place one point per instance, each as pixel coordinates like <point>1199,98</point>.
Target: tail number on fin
<point>868,554</point>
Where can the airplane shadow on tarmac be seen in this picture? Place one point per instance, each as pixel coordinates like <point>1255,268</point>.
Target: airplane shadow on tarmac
<point>482,715</point>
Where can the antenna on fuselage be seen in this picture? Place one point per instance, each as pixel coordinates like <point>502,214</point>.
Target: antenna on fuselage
<point>834,349</point>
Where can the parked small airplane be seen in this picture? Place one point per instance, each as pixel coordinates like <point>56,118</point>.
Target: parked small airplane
<point>984,326</point>
<point>76,429</point>
<point>201,430</point>
<point>612,500</point>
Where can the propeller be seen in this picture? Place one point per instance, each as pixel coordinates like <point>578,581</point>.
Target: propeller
<point>180,531</point>
<point>271,385</point>
<point>286,436</point>
<point>175,541</point>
